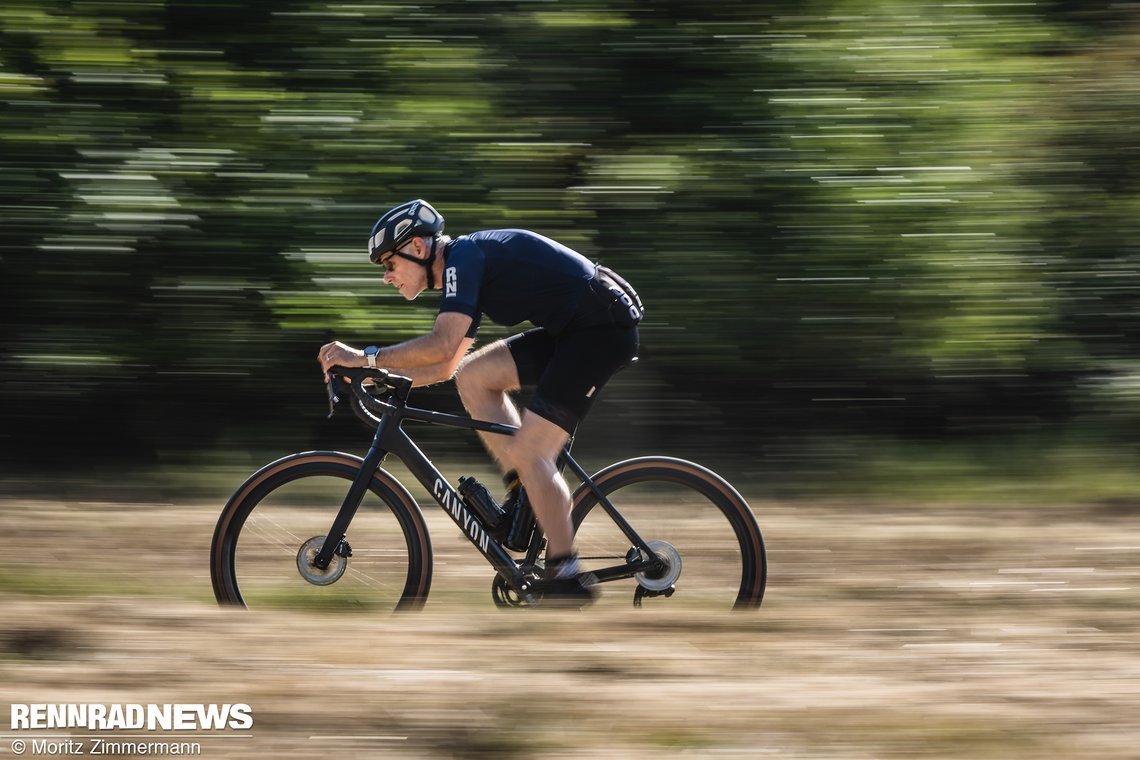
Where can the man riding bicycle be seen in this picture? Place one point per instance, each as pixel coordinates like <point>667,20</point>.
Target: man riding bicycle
<point>585,319</point>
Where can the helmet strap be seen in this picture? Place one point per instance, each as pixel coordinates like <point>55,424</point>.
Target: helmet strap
<point>429,262</point>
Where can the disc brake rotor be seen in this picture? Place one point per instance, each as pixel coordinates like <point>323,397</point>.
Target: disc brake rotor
<point>313,574</point>
<point>665,578</point>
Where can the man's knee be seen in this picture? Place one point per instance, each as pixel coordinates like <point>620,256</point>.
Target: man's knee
<point>530,459</point>
<point>470,376</point>
<point>537,445</point>
<point>466,380</point>
<point>489,370</point>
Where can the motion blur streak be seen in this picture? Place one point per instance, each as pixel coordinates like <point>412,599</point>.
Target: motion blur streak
<point>889,256</point>
<point>910,220</point>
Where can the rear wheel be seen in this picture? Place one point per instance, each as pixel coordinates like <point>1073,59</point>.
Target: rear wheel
<point>709,545</point>
<point>275,524</point>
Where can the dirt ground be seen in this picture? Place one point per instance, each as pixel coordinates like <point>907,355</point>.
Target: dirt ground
<point>887,632</point>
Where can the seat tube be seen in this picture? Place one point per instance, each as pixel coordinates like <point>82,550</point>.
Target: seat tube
<point>352,499</point>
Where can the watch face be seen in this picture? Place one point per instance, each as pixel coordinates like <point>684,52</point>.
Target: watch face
<point>371,351</point>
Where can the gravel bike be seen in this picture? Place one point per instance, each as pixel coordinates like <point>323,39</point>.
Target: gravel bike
<point>330,530</point>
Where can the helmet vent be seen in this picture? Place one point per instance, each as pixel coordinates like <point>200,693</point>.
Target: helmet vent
<point>397,225</point>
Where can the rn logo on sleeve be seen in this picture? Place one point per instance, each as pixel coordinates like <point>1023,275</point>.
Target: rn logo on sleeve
<point>450,278</point>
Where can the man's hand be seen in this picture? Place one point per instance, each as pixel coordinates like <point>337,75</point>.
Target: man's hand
<point>339,354</point>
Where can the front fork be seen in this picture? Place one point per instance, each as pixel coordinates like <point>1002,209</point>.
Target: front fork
<point>335,539</point>
<point>335,543</point>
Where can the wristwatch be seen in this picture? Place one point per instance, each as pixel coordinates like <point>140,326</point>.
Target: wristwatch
<point>370,354</point>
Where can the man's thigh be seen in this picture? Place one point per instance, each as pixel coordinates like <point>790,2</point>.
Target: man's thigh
<point>491,368</point>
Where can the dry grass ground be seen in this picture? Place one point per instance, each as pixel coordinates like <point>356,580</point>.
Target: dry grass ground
<point>926,632</point>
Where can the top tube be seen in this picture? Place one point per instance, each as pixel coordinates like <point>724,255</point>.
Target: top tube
<point>397,406</point>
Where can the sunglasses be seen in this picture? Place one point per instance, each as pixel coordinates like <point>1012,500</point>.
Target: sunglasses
<point>389,263</point>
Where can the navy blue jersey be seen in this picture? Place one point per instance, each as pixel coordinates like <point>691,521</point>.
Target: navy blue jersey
<point>514,276</point>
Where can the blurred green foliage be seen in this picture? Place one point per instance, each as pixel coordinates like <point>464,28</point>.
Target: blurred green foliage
<point>909,218</point>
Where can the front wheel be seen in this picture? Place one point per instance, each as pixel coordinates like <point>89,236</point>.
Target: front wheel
<point>709,545</point>
<point>276,522</point>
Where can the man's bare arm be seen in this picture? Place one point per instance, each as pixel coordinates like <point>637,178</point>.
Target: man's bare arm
<point>437,347</point>
<point>430,358</point>
<point>435,373</point>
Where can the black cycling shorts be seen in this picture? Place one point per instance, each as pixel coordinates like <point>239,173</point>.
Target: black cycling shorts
<point>569,369</point>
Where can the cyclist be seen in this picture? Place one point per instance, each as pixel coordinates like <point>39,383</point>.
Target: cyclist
<point>585,319</point>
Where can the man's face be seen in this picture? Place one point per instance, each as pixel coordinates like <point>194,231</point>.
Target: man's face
<point>406,276</point>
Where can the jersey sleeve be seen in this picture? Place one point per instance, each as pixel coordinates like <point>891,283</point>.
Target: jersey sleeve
<point>462,279</point>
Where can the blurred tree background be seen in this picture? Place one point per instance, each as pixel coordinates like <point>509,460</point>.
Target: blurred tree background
<point>858,221</point>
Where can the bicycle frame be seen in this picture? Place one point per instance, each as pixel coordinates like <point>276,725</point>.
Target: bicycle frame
<point>390,438</point>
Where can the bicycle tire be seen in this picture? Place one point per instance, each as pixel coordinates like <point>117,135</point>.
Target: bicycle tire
<point>294,500</point>
<point>663,497</point>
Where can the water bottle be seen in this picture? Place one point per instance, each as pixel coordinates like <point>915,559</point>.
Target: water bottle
<point>522,525</point>
<point>476,496</point>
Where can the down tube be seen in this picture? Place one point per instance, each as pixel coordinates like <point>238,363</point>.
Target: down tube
<point>431,479</point>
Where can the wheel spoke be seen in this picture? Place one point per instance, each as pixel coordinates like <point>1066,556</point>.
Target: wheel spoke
<point>261,536</point>
<point>711,551</point>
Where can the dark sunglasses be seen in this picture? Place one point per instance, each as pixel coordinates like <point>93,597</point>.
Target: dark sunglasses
<point>388,263</point>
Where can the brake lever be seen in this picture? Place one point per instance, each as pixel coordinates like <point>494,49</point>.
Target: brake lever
<point>332,386</point>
